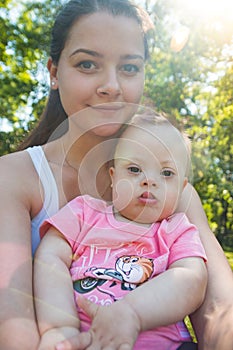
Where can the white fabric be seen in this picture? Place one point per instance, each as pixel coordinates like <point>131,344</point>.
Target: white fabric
<point>51,198</point>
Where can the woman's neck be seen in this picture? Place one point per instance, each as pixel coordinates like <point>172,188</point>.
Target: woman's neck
<point>87,150</point>
<point>89,156</point>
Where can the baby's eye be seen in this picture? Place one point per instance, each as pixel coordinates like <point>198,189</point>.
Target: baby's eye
<point>134,169</point>
<point>167,173</point>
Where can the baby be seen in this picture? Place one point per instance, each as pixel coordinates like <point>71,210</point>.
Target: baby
<point>111,253</point>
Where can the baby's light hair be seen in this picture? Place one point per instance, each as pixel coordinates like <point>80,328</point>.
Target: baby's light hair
<point>152,117</point>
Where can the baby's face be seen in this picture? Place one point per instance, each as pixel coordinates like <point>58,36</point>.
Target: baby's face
<point>149,172</point>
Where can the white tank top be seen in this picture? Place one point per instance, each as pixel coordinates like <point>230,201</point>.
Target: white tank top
<point>51,199</point>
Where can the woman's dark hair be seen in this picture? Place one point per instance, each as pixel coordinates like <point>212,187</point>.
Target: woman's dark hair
<point>54,114</point>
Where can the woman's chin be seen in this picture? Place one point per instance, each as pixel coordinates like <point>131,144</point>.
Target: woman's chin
<point>107,130</point>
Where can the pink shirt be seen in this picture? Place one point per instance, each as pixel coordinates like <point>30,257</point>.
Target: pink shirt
<point>112,258</point>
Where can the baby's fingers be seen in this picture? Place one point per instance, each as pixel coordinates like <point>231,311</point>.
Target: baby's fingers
<point>126,347</point>
<point>88,307</point>
<point>111,347</point>
<point>101,343</point>
<point>79,342</point>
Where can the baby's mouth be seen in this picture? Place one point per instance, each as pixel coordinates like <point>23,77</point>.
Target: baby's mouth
<point>147,198</point>
<point>147,195</point>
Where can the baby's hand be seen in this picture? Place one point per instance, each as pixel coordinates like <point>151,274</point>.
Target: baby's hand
<point>114,327</point>
<point>58,339</point>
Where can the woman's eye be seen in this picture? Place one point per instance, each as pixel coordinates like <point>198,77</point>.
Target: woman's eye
<point>134,170</point>
<point>167,173</point>
<point>86,65</point>
<point>130,68</point>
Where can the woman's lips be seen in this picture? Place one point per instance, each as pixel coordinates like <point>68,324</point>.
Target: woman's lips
<point>108,107</point>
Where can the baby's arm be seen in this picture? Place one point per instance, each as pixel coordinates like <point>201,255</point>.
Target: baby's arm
<point>163,300</point>
<point>172,295</point>
<point>53,289</point>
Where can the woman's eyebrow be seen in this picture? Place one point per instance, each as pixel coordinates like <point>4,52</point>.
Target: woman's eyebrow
<point>87,51</point>
<point>97,54</point>
<point>132,57</point>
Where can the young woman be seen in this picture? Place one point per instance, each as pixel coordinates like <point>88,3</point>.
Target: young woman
<point>98,52</point>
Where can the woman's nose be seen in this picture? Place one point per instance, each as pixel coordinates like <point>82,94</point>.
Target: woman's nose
<point>110,85</point>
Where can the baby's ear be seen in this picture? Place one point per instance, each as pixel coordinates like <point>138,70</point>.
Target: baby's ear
<point>111,171</point>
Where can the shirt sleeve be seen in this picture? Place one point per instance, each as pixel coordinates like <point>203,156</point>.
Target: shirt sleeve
<point>68,221</point>
<point>183,239</point>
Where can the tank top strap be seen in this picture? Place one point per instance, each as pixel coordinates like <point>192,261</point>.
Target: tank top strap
<point>51,198</point>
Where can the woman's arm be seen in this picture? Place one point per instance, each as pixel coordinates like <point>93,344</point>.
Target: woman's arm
<point>53,290</point>
<point>18,328</point>
<point>216,312</point>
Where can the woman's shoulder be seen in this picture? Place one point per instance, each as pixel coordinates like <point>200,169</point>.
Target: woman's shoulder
<point>15,164</point>
<point>18,178</point>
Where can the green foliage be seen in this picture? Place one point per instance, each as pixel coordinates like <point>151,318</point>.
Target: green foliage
<point>9,141</point>
<point>229,256</point>
<point>213,156</point>
<point>194,84</point>
<point>24,48</point>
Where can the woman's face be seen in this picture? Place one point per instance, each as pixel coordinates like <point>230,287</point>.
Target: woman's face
<point>101,68</point>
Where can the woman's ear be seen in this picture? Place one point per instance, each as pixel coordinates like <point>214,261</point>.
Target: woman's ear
<point>52,68</point>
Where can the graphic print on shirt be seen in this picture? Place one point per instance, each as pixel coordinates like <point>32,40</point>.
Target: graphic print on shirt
<point>129,273</point>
